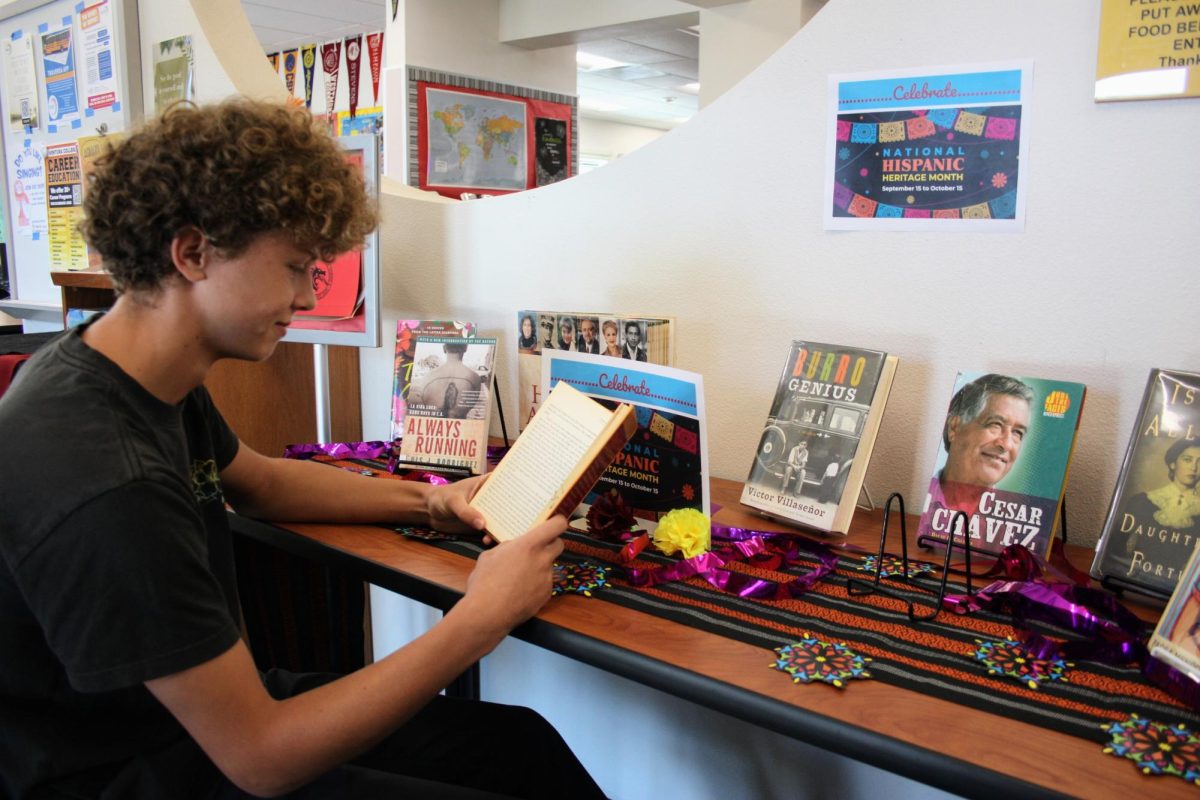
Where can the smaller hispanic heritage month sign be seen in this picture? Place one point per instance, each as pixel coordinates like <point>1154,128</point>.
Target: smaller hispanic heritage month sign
<point>665,465</point>
<point>1148,50</point>
<point>935,149</point>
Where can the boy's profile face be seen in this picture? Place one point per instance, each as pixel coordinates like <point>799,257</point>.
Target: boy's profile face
<point>246,302</point>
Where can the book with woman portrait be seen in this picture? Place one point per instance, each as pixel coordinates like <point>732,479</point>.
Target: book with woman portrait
<point>1154,519</point>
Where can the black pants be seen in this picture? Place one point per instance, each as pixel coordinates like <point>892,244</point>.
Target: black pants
<point>453,749</point>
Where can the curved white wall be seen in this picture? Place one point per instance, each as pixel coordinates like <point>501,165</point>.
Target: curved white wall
<point>719,224</point>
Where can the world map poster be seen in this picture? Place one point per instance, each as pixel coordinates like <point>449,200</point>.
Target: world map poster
<point>475,141</point>
<point>939,149</point>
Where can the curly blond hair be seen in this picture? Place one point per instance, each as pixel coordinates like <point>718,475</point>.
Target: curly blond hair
<point>233,170</point>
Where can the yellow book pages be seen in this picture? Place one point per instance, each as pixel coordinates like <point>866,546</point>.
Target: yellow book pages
<point>553,457</point>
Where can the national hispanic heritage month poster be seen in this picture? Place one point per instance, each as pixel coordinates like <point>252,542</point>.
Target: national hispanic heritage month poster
<point>940,148</point>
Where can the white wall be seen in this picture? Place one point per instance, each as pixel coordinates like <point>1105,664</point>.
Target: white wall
<point>461,36</point>
<point>721,214</point>
<point>538,23</point>
<point>598,137</point>
<point>219,21</point>
<point>737,37</point>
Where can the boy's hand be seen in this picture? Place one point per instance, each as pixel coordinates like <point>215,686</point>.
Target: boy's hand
<point>449,509</point>
<point>512,581</point>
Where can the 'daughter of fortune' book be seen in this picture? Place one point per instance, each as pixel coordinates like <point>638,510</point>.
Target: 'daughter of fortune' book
<point>449,404</point>
<point>1006,444</point>
<point>1154,520</point>
<point>813,453</point>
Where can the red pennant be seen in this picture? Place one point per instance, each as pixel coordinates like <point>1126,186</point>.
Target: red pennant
<point>331,59</point>
<point>353,52</point>
<point>375,59</point>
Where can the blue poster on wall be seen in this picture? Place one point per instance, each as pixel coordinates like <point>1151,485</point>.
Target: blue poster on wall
<point>926,150</point>
<point>58,62</point>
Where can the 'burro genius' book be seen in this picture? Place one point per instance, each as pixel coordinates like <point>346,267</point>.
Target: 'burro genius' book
<point>813,452</point>
<point>1006,444</point>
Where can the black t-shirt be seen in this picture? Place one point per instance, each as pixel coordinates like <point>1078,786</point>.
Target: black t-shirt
<point>116,564</point>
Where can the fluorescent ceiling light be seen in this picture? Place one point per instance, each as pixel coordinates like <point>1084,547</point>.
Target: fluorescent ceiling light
<point>590,62</point>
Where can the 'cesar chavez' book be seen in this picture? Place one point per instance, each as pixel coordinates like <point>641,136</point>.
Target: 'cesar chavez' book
<point>407,331</point>
<point>631,336</point>
<point>449,404</point>
<point>1154,520</point>
<point>554,463</point>
<point>1006,445</point>
<point>814,449</point>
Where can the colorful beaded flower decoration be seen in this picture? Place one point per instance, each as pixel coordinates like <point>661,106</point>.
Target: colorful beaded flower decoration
<point>1010,658</point>
<point>814,660</point>
<point>582,578</point>
<point>894,565</point>
<point>1155,748</point>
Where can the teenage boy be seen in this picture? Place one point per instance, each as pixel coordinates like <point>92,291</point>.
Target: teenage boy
<point>123,672</point>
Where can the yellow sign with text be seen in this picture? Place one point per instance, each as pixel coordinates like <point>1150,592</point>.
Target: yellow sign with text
<point>1148,49</point>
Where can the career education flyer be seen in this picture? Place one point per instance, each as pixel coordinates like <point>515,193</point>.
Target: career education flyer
<point>665,465</point>
<point>930,149</point>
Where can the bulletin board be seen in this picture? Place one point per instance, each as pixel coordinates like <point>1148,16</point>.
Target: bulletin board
<point>473,136</point>
<point>71,73</point>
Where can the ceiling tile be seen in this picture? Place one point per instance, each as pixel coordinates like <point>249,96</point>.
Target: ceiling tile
<point>684,68</point>
<point>624,51</point>
<point>678,43</point>
<point>664,81</point>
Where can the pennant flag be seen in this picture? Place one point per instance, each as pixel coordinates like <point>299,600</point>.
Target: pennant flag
<point>331,59</point>
<point>395,7</point>
<point>353,51</point>
<point>308,57</point>
<point>375,58</point>
<point>289,70</point>
<point>274,59</point>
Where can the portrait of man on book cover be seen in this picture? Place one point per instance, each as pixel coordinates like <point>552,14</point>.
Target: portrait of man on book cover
<point>1005,446</point>
<point>633,342</point>
<point>546,332</point>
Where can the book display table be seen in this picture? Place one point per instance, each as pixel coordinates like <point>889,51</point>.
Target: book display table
<point>944,702</point>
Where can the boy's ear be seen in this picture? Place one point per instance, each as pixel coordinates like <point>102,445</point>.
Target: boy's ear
<point>190,251</point>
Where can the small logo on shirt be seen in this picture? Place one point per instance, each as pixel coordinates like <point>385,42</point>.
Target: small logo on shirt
<point>206,482</point>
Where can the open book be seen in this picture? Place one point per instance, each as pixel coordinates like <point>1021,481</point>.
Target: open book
<point>554,464</point>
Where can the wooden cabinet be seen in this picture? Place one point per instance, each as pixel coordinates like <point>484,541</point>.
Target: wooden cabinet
<point>269,404</point>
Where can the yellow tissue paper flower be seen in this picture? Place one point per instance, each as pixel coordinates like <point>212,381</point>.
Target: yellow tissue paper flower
<point>683,530</point>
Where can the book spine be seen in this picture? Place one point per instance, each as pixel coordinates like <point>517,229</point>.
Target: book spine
<point>607,454</point>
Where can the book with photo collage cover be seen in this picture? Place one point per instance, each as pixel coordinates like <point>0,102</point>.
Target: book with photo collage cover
<point>637,337</point>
